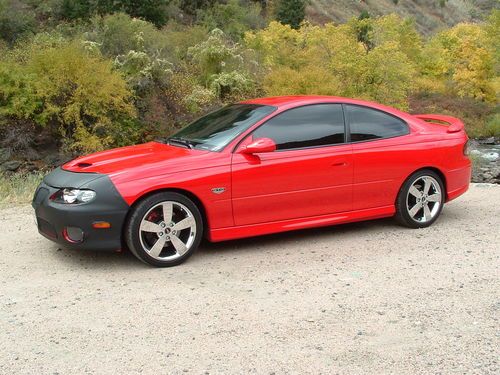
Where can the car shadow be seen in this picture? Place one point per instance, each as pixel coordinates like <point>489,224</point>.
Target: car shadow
<point>211,251</point>
<point>94,259</point>
<point>281,241</point>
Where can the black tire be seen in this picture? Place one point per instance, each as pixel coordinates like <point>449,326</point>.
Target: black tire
<point>132,230</point>
<point>402,211</point>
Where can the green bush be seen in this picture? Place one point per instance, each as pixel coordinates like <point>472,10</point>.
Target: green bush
<point>222,66</point>
<point>291,12</point>
<point>102,74</point>
<point>192,6</point>
<point>16,20</point>
<point>234,17</point>
<point>118,33</point>
<point>493,126</point>
<point>75,93</point>
<point>154,11</point>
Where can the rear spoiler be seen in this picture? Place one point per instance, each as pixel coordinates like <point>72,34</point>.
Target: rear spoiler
<point>454,124</point>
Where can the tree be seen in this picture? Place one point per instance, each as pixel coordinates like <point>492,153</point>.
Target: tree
<point>363,30</point>
<point>191,6</point>
<point>291,12</point>
<point>153,11</point>
<point>463,57</point>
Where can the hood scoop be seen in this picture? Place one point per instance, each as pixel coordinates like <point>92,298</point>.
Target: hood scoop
<point>83,165</point>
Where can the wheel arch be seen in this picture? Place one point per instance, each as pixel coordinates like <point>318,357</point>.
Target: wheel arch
<point>436,170</point>
<point>197,201</point>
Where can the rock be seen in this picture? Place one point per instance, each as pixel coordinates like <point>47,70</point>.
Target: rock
<point>487,176</point>
<point>11,166</point>
<point>487,141</point>
<point>4,155</point>
<point>491,156</point>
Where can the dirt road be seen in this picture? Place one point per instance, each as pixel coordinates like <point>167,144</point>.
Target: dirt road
<point>365,298</point>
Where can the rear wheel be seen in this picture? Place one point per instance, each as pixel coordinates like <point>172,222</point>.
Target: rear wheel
<point>420,199</point>
<point>164,229</point>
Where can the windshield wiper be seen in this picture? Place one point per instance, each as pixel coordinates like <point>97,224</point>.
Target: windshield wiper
<point>181,141</point>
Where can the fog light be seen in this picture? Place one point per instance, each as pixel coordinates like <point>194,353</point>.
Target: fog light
<point>73,234</point>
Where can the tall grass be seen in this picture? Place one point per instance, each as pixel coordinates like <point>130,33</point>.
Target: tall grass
<point>19,187</point>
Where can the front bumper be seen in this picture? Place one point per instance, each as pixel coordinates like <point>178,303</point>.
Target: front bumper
<point>53,218</point>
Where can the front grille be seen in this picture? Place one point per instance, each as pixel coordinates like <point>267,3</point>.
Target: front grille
<point>46,228</point>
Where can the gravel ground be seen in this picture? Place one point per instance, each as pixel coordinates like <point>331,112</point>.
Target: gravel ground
<point>364,298</point>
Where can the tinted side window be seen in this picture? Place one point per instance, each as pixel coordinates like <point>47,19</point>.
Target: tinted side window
<point>366,123</point>
<point>308,126</point>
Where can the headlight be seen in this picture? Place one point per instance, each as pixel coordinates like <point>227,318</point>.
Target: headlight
<point>73,196</point>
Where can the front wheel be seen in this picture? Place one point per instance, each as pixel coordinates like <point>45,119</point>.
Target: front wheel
<point>164,229</point>
<point>420,200</point>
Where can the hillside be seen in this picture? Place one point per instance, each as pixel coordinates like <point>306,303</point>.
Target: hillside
<point>429,15</point>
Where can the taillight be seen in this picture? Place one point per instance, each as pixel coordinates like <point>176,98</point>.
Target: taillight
<point>467,148</point>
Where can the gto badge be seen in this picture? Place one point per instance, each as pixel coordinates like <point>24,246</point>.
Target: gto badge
<point>218,190</point>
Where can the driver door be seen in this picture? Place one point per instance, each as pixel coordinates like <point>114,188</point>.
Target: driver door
<point>309,174</point>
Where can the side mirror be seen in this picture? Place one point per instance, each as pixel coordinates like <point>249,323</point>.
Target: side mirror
<point>259,145</point>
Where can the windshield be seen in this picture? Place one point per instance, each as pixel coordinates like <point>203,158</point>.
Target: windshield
<point>215,130</point>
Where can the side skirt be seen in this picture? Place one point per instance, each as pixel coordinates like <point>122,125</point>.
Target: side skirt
<point>230,233</point>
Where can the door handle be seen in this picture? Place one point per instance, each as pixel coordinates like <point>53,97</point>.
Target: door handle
<point>339,164</point>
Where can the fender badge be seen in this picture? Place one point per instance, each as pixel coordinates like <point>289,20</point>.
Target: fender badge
<point>218,190</point>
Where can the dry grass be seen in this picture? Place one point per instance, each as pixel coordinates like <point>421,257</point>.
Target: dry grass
<point>18,188</point>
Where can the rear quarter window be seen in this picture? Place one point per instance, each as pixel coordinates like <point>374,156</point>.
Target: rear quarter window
<point>369,124</point>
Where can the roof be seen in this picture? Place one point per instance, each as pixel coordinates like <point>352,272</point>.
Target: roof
<point>286,102</point>
<point>296,100</point>
<point>278,101</point>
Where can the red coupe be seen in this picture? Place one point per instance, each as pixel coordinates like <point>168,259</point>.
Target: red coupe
<point>256,167</point>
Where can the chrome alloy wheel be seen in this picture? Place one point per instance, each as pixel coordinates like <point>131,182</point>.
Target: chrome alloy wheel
<point>167,230</point>
<point>424,199</point>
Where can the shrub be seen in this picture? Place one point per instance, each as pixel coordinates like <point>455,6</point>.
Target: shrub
<point>329,60</point>
<point>234,17</point>
<point>136,46</point>
<point>392,28</point>
<point>221,65</point>
<point>191,6</point>
<point>76,94</point>
<point>154,11</point>
<point>118,33</point>
<point>389,75</point>
<point>228,85</point>
<point>314,80</point>
<point>462,56</point>
<point>493,125</point>
<point>16,20</point>
<point>291,12</point>
<point>480,118</point>
<point>180,37</point>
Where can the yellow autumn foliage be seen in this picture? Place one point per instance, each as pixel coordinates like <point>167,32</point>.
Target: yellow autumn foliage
<point>463,58</point>
<point>330,60</point>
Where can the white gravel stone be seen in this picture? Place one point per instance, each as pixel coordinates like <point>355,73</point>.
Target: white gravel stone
<point>307,302</point>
